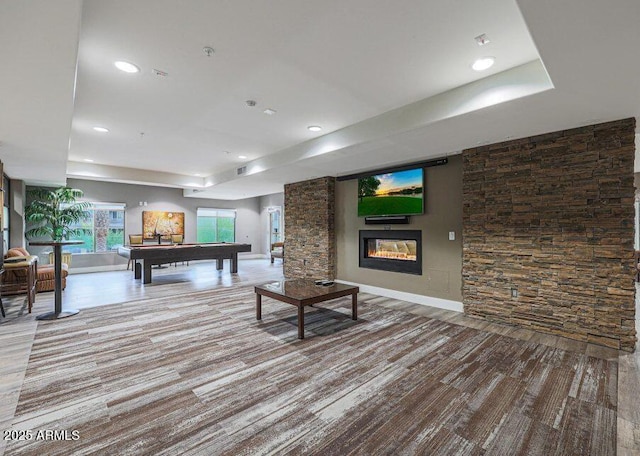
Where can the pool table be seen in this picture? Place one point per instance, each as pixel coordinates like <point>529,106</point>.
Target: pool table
<point>154,254</point>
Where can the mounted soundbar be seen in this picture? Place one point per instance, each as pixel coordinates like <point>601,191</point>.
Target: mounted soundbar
<point>387,220</point>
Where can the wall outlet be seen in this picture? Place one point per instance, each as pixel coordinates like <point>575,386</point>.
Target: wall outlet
<point>514,293</point>
<point>452,235</point>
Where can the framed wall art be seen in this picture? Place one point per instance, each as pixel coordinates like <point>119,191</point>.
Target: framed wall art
<point>160,223</point>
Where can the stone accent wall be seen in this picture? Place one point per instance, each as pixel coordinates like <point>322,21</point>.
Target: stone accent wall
<point>310,243</point>
<point>552,217</point>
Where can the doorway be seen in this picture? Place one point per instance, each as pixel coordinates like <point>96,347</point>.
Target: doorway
<point>275,224</point>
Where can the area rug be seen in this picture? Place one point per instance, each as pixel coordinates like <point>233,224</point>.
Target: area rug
<point>198,374</point>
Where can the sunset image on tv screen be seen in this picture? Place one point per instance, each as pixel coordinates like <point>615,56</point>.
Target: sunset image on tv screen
<point>397,193</point>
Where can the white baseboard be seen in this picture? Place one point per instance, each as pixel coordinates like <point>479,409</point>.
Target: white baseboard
<point>104,268</point>
<point>430,301</point>
<point>120,267</point>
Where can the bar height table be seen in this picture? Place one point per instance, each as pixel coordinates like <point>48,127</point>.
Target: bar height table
<point>57,255</point>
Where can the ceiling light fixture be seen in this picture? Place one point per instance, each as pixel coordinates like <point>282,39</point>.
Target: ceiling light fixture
<point>126,66</point>
<point>88,160</point>
<point>101,129</point>
<point>483,64</point>
<point>314,128</point>
<point>242,157</point>
<point>269,111</point>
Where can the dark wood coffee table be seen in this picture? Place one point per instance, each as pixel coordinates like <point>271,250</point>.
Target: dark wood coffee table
<point>304,292</point>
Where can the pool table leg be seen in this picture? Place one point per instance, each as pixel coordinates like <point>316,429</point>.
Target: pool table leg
<point>354,306</point>
<point>300,321</point>
<point>258,306</point>
<point>147,272</point>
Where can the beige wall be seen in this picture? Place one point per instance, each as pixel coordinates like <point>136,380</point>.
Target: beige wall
<point>442,259</point>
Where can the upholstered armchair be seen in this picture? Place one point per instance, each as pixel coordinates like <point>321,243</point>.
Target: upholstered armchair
<point>277,251</point>
<point>45,273</point>
<point>20,276</point>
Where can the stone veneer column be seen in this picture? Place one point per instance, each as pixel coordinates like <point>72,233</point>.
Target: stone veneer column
<point>310,244</point>
<point>552,217</point>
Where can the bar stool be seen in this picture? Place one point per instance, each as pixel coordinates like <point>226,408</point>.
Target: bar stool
<point>134,239</point>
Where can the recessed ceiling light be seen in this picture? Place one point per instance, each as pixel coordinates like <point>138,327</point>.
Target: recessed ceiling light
<point>101,129</point>
<point>314,128</point>
<point>242,157</point>
<point>483,63</point>
<point>88,160</point>
<point>269,111</point>
<point>197,174</point>
<point>126,66</point>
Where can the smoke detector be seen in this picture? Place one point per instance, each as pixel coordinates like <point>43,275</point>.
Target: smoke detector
<point>208,51</point>
<point>481,40</point>
<point>250,103</point>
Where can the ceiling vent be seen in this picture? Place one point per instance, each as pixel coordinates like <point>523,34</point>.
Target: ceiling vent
<point>241,170</point>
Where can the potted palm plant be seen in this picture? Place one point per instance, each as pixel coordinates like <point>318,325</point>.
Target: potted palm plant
<point>52,212</point>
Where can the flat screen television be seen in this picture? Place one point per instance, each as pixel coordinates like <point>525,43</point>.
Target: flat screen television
<point>395,193</point>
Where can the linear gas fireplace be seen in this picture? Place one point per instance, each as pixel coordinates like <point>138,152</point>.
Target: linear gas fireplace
<point>396,251</point>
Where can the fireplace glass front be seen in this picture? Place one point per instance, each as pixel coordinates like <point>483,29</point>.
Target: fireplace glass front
<point>395,249</point>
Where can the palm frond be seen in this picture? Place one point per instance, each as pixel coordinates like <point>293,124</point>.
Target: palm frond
<point>52,211</point>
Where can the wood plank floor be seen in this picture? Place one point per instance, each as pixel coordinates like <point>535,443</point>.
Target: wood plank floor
<point>181,366</point>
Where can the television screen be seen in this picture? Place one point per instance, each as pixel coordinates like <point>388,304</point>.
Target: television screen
<point>397,193</point>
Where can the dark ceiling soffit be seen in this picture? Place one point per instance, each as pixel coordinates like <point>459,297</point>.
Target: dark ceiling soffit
<point>422,164</point>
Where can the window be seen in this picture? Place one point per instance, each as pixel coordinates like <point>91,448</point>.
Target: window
<point>636,241</point>
<point>216,225</point>
<point>102,230</point>
<point>5,212</point>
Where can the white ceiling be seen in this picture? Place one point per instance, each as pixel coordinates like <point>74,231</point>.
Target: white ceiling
<point>389,83</point>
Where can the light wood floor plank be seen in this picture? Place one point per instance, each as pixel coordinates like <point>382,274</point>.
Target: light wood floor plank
<point>181,366</point>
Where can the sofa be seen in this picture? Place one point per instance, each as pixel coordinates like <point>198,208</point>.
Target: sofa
<point>45,274</point>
